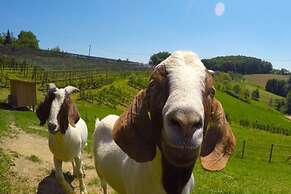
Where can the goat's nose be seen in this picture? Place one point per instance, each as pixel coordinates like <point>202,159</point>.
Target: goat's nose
<point>187,121</point>
<point>52,126</point>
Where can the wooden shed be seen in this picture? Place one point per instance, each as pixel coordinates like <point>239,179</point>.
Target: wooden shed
<point>22,93</point>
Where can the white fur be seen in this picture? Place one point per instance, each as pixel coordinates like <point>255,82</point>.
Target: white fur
<point>69,146</point>
<point>186,75</point>
<point>56,106</point>
<point>123,174</point>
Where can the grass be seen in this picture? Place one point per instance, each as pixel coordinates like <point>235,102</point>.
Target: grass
<point>34,158</point>
<point>261,79</point>
<point>5,163</point>
<point>256,111</point>
<point>253,174</point>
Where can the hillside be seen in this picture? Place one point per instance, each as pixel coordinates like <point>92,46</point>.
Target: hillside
<point>261,79</point>
<point>50,60</point>
<point>241,175</point>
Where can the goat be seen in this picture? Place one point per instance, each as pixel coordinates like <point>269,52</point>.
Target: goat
<point>153,146</point>
<point>67,133</point>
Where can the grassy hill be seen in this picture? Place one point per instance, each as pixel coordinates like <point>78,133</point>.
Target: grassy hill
<point>261,79</point>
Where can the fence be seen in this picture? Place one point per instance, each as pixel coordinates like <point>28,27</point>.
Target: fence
<point>266,152</point>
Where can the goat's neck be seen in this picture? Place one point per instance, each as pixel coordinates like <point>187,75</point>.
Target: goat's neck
<point>174,178</point>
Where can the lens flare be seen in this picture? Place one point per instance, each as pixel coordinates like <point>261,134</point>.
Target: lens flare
<point>219,9</point>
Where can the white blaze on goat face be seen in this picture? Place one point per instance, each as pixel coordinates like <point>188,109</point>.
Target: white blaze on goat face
<point>60,95</point>
<point>186,75</point>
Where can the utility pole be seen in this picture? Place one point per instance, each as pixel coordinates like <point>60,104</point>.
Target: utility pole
<point>89,49</point>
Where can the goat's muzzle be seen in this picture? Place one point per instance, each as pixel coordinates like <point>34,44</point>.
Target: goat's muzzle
<point>52,128</point>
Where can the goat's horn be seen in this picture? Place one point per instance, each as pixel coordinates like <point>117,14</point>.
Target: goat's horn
<point>52,86</point>
<point>211,71</point>
<point>70,89</point>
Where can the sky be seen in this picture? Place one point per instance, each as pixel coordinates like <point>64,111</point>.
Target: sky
<point>136,29</point>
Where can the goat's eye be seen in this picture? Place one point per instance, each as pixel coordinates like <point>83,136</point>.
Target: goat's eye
<point>152,84</point>
<point>212,92</point>
<point>198,125</point>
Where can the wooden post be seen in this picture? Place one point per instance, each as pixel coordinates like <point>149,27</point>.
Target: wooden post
<point>243,150</point>
<point>86,117</point>
<point>271,153</point>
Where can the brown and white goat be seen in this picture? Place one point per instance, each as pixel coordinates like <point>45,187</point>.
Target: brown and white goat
<point>67,132</point>
<point>153,146</point>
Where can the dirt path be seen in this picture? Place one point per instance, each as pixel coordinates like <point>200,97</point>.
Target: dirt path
<point>288,116</point>
<point>31,171</point>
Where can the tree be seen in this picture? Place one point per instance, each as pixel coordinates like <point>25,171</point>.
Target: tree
<point>238,64</point>
<point>27,39</point>
<point>288,103</point>
<point>56,49</point>
<point>2,36</point>
<point>256,94</point>
<point>276,86</point>
<point>8,38</point>
<point>158,58</point>
<point>236,89</point>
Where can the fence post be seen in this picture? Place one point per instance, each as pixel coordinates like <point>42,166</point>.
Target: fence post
<point>86,117</point>
<point>271,153</point>
<point>243,150</point>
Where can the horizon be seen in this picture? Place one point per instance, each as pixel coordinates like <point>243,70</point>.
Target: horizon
<point>136,30</point>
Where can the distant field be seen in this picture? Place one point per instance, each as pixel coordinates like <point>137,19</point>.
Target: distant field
<point>261,79</point>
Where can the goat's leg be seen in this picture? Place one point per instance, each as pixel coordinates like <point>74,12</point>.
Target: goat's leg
<point>103,182</point>
<point>80,174</point>
<point>104,186</point>
<point>60,177</point>
<point>74,169</point>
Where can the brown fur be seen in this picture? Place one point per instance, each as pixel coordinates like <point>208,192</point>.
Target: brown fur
<point>134,131</point>
<point>68,115</point>
<point>219,141</point>
<point>43,109</point>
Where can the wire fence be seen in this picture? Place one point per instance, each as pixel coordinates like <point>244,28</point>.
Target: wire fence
<point>271,152</point>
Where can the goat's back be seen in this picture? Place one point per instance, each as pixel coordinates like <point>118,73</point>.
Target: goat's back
<point>108,157</point>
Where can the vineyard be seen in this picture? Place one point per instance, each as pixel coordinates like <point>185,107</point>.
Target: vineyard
<point>96,85</point>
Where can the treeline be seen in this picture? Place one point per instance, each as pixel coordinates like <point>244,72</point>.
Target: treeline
<point>281,88</point>
<point>25,39</point>
<point>239,64</point>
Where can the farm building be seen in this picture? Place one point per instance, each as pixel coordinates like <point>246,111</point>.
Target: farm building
<point>22,93</point>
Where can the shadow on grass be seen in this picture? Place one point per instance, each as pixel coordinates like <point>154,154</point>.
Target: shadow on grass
<point>6,106</point>
<point>49,184</point>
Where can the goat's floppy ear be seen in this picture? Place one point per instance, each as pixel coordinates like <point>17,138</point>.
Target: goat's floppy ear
<point>133,131</point>
<point>219,140</point>
<point>68,115</point>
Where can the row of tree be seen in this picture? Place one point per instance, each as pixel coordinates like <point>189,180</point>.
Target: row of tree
<point>279,87</point>
<point>235,64</point>
<point>239,64</point>
<point>25,39</point>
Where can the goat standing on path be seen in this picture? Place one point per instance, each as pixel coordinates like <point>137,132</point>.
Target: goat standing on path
<point>153,146</point>
<point>67,133</point>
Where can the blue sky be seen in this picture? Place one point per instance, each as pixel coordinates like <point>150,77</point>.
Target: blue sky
<point>135,29</point>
